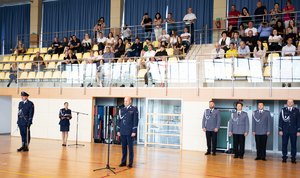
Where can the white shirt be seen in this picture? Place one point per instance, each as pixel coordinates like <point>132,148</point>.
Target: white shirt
<point>101,40</point>
<point>91,58</point>
<point>148,55</point>
<point>164,37</point>
<point>173,40</point>
<point>288,50</point>
<point>239,112</point>
<point>275,37</point>
<point>260,111</point>
<point>227,41</point>
<point>290,108</point>
<point>219,54</point>
<point>99,57</point>
<point>87,41</point>
<point>254,30</point>
<point>190,17</point>
<point>25,101</point>
<point>186,34</point>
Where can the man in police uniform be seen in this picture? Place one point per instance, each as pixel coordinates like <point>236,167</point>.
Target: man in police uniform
<point>289,127</point>
<point>261,128</point>
<point>127,129</point>
<point>211,124</point>
<point>239,127</point>
<point>25,115</point>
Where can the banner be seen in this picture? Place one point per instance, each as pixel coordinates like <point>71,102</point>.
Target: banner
<point>255,71</point>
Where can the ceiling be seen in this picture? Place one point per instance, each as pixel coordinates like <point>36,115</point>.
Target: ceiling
<point>7,2</point>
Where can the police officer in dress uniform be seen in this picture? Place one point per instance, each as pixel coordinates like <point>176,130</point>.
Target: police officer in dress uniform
<point>261,128</point>
<point>127,129</point>
<point>211,124</point>
<point>65,114</point>
<point>289,127</point>
<point>25,116</point>
<point>239,127</point>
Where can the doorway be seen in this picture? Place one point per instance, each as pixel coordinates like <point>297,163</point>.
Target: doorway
<point>5,115</point>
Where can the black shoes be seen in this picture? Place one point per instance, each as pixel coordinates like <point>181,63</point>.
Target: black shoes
<point>241,157</point>
<point>25,148</point>
<point>122,85</point>
<point>284,160</point>
<point>289,85</point>
<point>214,154</point>
<point>294,161</point>
<point>207,153</point>
<point>283,85</point>
<point>264,159</point>
<point>122,165</point>
<point>257,158</point>
<point>64,145</point>
<point>235,156</point>
<point>22,147</point>
<point>131,85</point>
<point>129,166</point>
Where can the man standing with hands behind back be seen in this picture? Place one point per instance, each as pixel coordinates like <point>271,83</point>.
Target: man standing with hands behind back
<point>289,127</point>
<point>127,129</point>
<point>211,124</point>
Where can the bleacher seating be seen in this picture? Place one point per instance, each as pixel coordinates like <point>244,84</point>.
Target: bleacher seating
<point>47,57</point>
<point>29,51</point>
<point>48,75</point>
<point>28,66</point>
<point>19,58</point>
<point>6,67</point>
<point>12,59</point>
<point>43,51</point>
<point>31,75</point>
<point>54,57</point>
<point>23,75</point>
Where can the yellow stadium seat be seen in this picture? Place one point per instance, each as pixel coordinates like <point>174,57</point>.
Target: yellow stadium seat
<point>2,75</point>
<point>155,44</point>
<point>28,66</point>
<point>36,50</point>
<point>5,59</point>
<point>43,56</point>
<point>56,75</point>
<point>54,57</point>
<point>95,48</point>
<point>19,58</point>
<point>170,51</point>
<point>96,53</point>
<point>31,75</point>
<point>26,58</point>
<point>274,55</point>
<point>266,45</point>
<point>61,56</point>
<point>47,57</point>
<point>44,50</point>
<point>79,56</point>
<point>238,75</point>
<point>48,75</point>
<point>157,50</point>
<point>6,67</point>
<point>267,71</point>
<point>142,73</point>
<point>7,76</point>
<point>131,43</point>
<point>183,52</point>
<point>173,59</point>
<point>86,55</point>
<point>12,59</point>
<point>64,75</point>
<point>144,43</point>
<point>40,75</point>
<point>29,51</point>
<point>23,75</point>
<point>51,65</point>
<point>22,66</point>
<point>1,66</point>
<point>32,56</point>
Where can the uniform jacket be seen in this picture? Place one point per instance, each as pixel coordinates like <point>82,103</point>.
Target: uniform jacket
<point>211,120</point>
<point>128,120</point>
<point>261,123</point>
<point>289,121</point>
<point>25,113</point>
<point>239,124</point>
<point>64,112</point>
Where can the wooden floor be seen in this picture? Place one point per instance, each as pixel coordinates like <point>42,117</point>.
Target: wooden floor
<point>47,158</point>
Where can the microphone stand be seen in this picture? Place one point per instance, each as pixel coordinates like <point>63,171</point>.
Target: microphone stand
<point>77,130</point>
<point>107,165</point>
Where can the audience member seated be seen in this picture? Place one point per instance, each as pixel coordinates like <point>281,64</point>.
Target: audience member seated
<point>100,73</point>
<point>38,60</point>
<point>251,41</point>
<point>91,59</point>
<point>20,48</point>
<point>292,24</point>
<point>230,31</point>
<point>178,47</point>
<point>126,33</point>
<point>173,39</point>
<point>63,45</point>
<point>245,17</point>
<point>289,49</point>
<point>110,40</point>
<point>274,41</point>
<point>148,56</point>
<point>217,53</point>
<point>290,16</point>
<point>264,31</point>
<point>75,44</point>
<point>233,18</point>
<point>128,48</point>
<point>253,29</point>
<point>108,56</point>
<point>116,42</point>
<point>136,48</point>
<point>243,51</point>
<point>236,40</point>
<point>101,41</point>
<point>13,73</point>
<point>157,29</point>
<point>224,41</point>
<point>120,49</point>
<point>260,52</point>
<point>70,58</point>
<point>145,49</point>
<point>164,37</point>
<point>146,22</point>
<point>186,37</point>
<point>232,52</point>
<point>290,34</point>
<point>189,20</point>
<point>171,23</point>
<point>279,27</point>
<point>241,31</point>
<point>275,14</point>
<point>70,39</point>
<point>99,27</point>
<point>54,46</point>
<point>86,43</point>
<point>260,13</point>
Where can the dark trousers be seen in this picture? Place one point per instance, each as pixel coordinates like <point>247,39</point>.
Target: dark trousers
<point>285,141</point>
<point>11,78</point>
<point>191,30</point>
<point>264,38</point>
<point>100,46</point>
<point>261,145</point>
<point>187,45</point>
<point>274,48</point>
<point>146,77</point>
<point>85,48</point>
<point>129,54</point>
<point>238,144</point>
<point>211,137</point>
<point>23,133</point>
<point>127,140</point>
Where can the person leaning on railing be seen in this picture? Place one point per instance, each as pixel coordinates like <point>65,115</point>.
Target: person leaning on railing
<point>147,57</point>
<point>275,14</point>
<point>287,17</point>
<point>290,34</point>
<point>260,52</point>
<point>232,16</point>
<point>99,27</point>
<point>146,22</point>
<point>171,23</point>
<point>274,41</point>
<point>251,40</point>
<point>243,50</point>
<point>108,56</point>
<point>217,53</point>
<point>38,60</point>
<point>13,73</point>
<point>126,33</point>
<point>245,17</point>
<point>260,13</point>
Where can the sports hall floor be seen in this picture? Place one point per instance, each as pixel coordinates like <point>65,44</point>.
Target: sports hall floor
<point>47,158</point>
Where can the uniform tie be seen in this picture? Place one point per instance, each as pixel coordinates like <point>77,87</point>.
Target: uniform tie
<point>290,109</point>
<point>238,113</point>
<point>211,111</point>
<point>260,112</point>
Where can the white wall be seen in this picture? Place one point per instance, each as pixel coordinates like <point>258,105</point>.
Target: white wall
<point>5,114</point>
<point>45,120</point>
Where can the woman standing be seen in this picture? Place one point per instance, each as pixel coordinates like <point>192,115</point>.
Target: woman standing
<point>260,52</point>
<point>158,30</point>
<point>65,115</point>
<point>245,17</point>
<point>288,16</point>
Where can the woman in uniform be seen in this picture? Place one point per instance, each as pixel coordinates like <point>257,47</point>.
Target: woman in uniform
<point>65,115</point>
